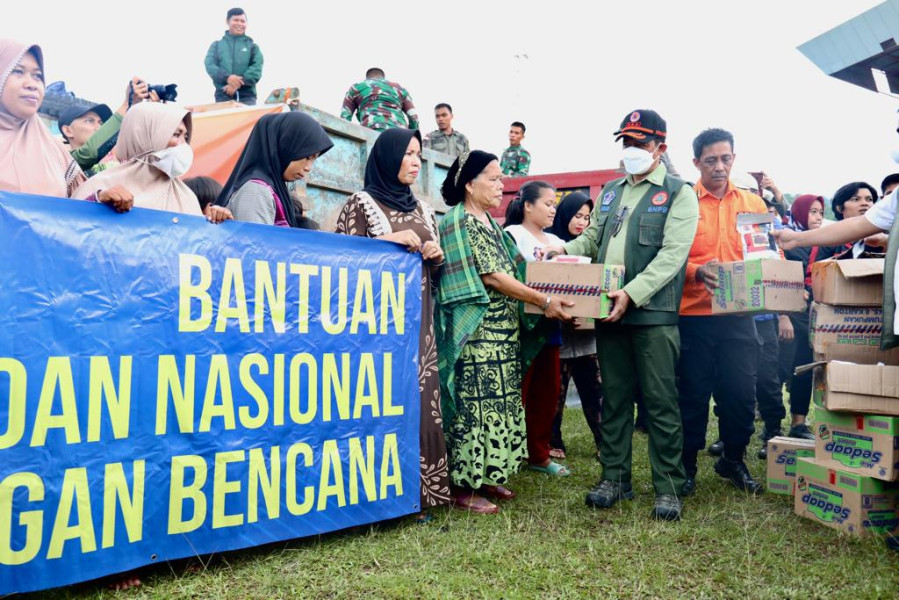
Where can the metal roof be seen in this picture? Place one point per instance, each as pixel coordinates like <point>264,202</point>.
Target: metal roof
<point>849,51</point>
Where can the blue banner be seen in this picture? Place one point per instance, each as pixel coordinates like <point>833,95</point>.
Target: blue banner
<point>171,388</point>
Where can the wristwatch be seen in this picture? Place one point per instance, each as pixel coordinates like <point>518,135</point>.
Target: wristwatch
<point>546,303</point>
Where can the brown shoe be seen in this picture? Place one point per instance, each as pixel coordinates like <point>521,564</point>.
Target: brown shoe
<point>497,492</point>
<point>473,503</point>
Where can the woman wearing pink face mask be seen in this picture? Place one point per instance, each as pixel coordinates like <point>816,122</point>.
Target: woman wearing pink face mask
<point>528,217</point>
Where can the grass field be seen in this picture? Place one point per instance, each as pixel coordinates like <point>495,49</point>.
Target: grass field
<point>547,544</point>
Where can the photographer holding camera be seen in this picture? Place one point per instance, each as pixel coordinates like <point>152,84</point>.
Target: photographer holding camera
<point>91,132</point>
<point>234,63</point>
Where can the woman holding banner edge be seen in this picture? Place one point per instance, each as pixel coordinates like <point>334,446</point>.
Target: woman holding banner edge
<point>154,152</point>
<point>386,209</point>
<point>481,354</point>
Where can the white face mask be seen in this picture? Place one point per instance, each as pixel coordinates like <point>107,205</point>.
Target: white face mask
<point>174,161</point>
<point>896,155</point>
<point>636,161</point>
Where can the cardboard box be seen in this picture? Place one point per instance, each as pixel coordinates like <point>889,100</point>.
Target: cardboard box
<point>863,444</point>
<point>584,284</point>
<point>818,385</point>
<point>585,323</point>
<point>867,389</point>
<point>857,282</point>
<point>858,505</point>
<point>782,455</point>
<point>849,333</point>
<point>760,286</point>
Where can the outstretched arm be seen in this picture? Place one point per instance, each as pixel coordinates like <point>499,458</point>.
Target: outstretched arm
<point>841,232</point>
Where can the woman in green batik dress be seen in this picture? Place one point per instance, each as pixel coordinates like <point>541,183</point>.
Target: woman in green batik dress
<point>481,355</point>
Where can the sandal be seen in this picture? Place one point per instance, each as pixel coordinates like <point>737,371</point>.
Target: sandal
<point>553,468</point>
<point>557,453</point>
<point>474,503</point>
<point>496,491</point>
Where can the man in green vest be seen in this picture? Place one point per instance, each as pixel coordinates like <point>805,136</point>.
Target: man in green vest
<point>646,222</point>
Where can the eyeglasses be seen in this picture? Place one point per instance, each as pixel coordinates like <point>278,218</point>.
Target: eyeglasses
<point>711,161</point>
<point>619,220</point>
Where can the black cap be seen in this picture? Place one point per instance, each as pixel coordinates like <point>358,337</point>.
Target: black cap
<point>76,112</point>
<point>642,125</point>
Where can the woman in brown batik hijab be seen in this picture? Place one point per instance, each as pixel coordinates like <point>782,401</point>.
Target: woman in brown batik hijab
<point>387,209</point>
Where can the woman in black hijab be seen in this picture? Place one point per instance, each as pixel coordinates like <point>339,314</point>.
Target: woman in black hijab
<point>578,353</point>
<point>282,148</point>
<point>565,225</point>
<point>386,209</point>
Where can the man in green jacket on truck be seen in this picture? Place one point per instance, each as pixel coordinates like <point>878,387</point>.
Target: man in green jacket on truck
<point>235,62</point>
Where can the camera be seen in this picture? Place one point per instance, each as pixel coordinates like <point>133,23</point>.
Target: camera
<point>166,93</point>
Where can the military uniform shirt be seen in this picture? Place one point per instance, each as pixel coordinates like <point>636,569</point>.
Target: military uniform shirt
<point>454,144</point>
<point>516,161</point>
<point>380,104</point>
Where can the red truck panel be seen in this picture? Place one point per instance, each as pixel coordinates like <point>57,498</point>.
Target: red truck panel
<point>588,182</point>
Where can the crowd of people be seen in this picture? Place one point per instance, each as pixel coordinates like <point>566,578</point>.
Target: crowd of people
<point>493,378</point>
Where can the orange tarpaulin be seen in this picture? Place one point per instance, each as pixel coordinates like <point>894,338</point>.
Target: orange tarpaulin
<point>219,137</point>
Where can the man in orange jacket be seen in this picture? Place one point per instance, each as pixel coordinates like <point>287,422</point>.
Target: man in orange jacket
<point>718,353</point>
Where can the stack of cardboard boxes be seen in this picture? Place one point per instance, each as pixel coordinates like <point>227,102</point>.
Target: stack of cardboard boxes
<point>846,317</point>
<point>850,480</point>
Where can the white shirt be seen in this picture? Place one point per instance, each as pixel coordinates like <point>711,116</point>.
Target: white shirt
<point>883,215</point>
<point>527,243</point>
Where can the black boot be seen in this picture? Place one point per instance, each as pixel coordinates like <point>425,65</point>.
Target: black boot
<point>606,493</point>
<point>801,431</point>
<point>717,448</point>
<point>737,473</point>
<point>667,507</point>
<point>768,432</point>
<point>690,482</point>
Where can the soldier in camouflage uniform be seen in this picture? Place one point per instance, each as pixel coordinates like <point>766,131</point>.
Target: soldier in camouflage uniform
<point>446,139</point>
<point>379,104</point>
<point>516,161</point>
